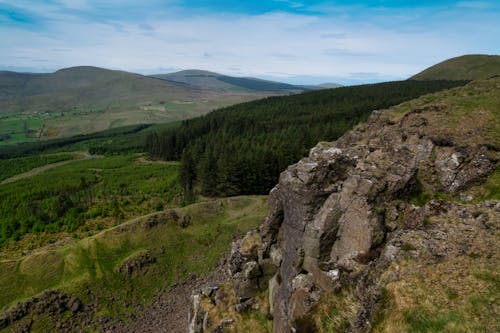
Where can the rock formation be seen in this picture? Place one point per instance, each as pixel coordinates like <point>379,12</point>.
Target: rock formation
<point>346,215</point>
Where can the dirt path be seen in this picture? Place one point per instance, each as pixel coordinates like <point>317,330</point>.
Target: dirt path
<point>36,171</point>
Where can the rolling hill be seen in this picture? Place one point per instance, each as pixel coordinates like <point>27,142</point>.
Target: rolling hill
<point>467,67</point>
<point>211,80</point>
<point>81,100</point>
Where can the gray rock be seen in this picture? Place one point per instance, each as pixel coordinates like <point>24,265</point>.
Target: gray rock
<point>251,270</point>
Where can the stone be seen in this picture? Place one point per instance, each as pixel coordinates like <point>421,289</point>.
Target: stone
<point>74,304</point>
<point>251,270</point>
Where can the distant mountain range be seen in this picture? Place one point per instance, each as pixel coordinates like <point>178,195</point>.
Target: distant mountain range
<point>87,99</point>
<point>215,81</point>
<point>81,100</point>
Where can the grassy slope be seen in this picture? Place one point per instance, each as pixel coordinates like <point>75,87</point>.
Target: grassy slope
<point>457,295</point>
<point>467,67</point>
<point>17,166</point>
<point>91,262</point>
<point>471,113</point>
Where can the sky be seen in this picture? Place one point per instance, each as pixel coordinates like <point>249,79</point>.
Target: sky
<point>295,41</point>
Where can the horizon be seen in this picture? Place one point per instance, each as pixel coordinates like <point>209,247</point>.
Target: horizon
<point>297,42</point>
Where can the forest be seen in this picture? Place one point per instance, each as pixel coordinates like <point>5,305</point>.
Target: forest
<point>84,195</point>
<point>241,149</point>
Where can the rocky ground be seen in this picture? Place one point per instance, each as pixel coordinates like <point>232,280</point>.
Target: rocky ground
<point>168,311</point>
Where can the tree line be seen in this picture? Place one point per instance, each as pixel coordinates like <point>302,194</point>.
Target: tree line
<point>241,149</point>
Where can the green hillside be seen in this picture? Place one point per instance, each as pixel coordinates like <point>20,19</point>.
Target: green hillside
<point>211,80</point>
<point>95,265</point>
<point>467,67</point>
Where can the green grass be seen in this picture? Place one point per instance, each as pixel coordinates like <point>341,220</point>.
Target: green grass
<point>490,189</point>
<point>91,262</point>
<point>16,128</point>
<point>420,321</point>
<point>473,109</point>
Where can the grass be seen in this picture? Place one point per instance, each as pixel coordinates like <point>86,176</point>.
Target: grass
<point>90,263</point>
<point>421,321</point>
<point>460,295</point>
<point>470,114</point>
<point>251,320</point>
<point>334,311</point>
<point>468,67</point>
<point>489,190</point>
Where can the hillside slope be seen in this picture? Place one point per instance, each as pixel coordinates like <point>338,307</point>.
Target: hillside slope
<point>467,67</point>
<point>211,80</point>
<point>83,87</point>
<point>392,228</point>
<point>113,280</point>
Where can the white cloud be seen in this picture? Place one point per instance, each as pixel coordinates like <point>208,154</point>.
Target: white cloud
<point>279,44</point>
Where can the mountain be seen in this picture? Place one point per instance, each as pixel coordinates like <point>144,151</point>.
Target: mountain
<point>210,80</point>
<point>327,85</point>
<point>81,100</point>
<point>83,87</point>
<point>402,209</point>
<point>467,67</point>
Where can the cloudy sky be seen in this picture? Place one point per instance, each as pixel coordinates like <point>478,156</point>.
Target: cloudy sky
<point>290,40</point>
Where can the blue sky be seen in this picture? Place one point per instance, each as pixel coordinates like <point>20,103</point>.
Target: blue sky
<point>289,40</point>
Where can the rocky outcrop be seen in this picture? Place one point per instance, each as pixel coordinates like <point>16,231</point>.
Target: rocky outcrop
<point>135,263</point>
<point>341,216</point>
<point>50,302</point>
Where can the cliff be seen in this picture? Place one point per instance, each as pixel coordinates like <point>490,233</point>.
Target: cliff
<point>397,219</point>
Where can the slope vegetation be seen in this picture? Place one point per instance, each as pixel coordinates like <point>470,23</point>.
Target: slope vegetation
<point>117,272</point>
<point>467,67</point>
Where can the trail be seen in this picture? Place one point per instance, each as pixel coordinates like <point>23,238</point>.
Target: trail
<point>36,171</point>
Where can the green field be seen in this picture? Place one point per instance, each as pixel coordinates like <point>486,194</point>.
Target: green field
<point>467,67</point>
